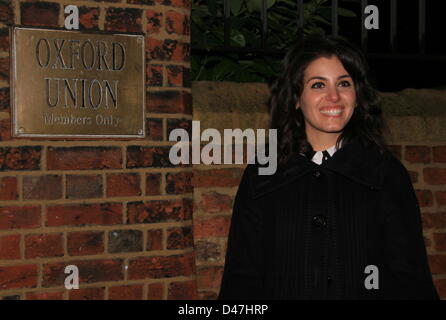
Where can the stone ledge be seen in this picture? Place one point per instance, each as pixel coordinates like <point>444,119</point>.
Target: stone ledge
<point>415,115</point>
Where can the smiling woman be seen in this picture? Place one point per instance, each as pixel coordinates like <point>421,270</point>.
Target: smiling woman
<point>340,206</point>
<point>327,101</point>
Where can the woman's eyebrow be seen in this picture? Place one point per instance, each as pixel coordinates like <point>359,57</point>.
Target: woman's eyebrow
<point>322,78</point>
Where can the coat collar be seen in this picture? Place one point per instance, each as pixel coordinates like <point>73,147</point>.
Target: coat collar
<point>357,162</point>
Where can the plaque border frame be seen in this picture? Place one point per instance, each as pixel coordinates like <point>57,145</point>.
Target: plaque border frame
<point>13,76</point>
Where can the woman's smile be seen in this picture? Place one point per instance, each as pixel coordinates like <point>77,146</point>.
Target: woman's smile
<point>335,111</point>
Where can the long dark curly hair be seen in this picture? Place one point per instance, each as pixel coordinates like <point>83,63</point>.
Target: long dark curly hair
<point>366,124</point>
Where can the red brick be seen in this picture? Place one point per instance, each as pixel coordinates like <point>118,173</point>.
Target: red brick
<point>10,247</point>
<point>123,20</point>
<point>167,50</point>
<point>169,102</point>
<point>437,264</point>
<point>176,3</point>
<point>133,292</point>
<point>25,217</point>
<point>209,277</point>
<point>155,239</point>
<point>212,227</point>
<point>6,12</point>
<point>4,41</point>
<point>155,211</point>
<point>85,243</point>
<point>179,238</point>
<point>4,68</point>
<point>44,14</point>
<point>439,153</point>
<point>11,297</point>
<point>208,251</point>
<point>207,295</point>
<point>418,154</point>
<point>143,157</point>
<point>123,185</point>
<point>161,266</point>
<point>89,271</point>
<point>57,295</point>
<point>174,76</point>
<point>43,245</point>
<point>434,220</point>
<point>8,188</point>
<point>217,178</point>
<point>153,184</point>
<point>88,18</point>
<point>434,175</point>
<point>156,291</point>
<point>179,183</point>
<point>154,75</point>
<point>21,276</point>
<point>177,23</point>
<point>214,202</point>
<point>425,198</point>
<point>20,158</point>
<point>145,2</point>
<point>413,176</point>
<point>182,290</point>
<point>440,196</point>
<point>440,285</point>
<point>48,187</point>
<point>87,294</point>
<point>154,21</point>
<point>4,99</point>
<point>185,124</point>
<point>125,241</point>
<point>5,129</point>
<point>84,186</point>
<point>440,241</point>
<point>78,158</point>
<point>154,129</point>
<point>84,214</point>
<point>427,242</point>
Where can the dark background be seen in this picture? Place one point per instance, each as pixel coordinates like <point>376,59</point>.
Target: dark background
<point>393,72</point>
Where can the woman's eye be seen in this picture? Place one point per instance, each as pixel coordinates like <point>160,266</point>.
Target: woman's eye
<point>345,84</point>
<point>317,85</point>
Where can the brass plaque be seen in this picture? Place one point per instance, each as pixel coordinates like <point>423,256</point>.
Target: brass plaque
<point>73,84</point>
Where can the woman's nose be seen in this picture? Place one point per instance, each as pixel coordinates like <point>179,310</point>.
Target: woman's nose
<point>333,94</point>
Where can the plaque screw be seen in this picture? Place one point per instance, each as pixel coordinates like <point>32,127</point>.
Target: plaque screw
<point>21,130</point>
<point>140,131</point>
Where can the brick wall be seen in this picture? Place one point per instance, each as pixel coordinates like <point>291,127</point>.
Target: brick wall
<point>418,140</point>
<point>115,208</point>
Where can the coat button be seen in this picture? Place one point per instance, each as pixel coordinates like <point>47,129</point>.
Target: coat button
<point>328,281</point>
<point>317,174</point>
<point>319,221</point>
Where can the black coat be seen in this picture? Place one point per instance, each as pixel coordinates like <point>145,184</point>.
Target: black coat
<point>309,231</point>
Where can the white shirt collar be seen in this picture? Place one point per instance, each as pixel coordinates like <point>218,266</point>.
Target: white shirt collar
<point>317,158</point>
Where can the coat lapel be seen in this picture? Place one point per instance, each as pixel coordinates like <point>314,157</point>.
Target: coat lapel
<point>362,164</point>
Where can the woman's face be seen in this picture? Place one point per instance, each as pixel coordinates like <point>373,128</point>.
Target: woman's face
<point>328,98</point>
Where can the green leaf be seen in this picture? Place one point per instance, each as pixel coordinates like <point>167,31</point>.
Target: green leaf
<point>346,13</point>
<point>235,6</point>
<point>256,5</point>
<point>225,67</point>
<point>237,39</point>
<point>212,7</point>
